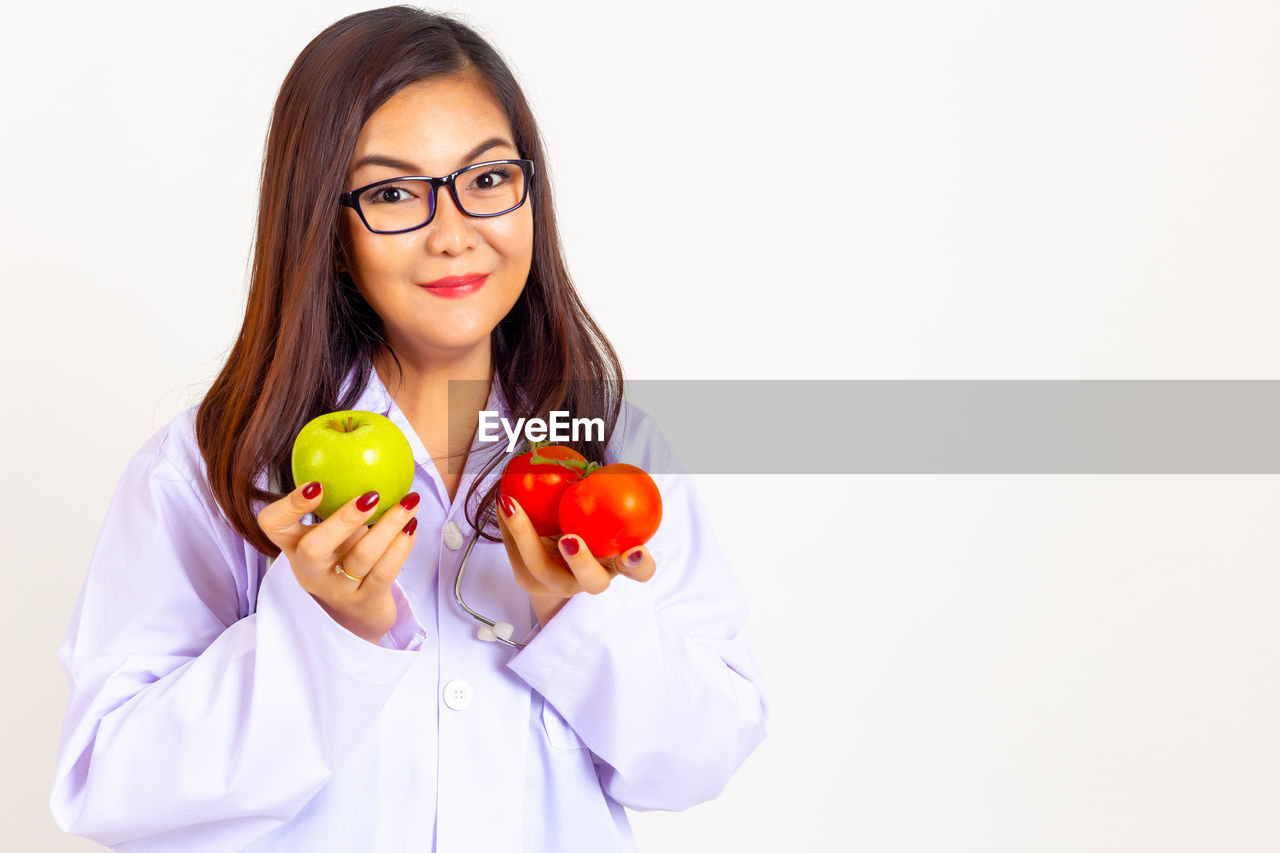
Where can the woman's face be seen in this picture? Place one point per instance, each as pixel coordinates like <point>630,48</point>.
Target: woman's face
<point>436,127</point>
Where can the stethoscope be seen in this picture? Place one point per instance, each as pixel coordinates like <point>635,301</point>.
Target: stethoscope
<point>489,630</point>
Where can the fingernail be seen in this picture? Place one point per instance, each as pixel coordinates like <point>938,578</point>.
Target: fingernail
<point>508,506</point>
<point>570,545</point>
<point>410,500</point>
<point>310,490</point>
<point>367,501</point>
<point>410,527</point>
<point>635,557</point>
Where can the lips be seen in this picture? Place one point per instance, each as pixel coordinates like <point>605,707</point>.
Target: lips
<point>454,285</point>
<point>454,280</point>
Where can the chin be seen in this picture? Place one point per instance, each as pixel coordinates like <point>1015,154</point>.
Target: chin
<point>455,344</point>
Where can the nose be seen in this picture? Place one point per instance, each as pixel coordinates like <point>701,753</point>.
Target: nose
<point>450,231</point>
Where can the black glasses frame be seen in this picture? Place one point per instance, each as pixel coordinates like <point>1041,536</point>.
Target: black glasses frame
<point>351,198</point>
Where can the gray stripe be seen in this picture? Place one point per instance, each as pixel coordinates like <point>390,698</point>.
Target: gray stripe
<point>931,426</point>
<point>968,426</point>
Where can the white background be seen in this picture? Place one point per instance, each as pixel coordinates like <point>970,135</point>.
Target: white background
<point>921,189</point>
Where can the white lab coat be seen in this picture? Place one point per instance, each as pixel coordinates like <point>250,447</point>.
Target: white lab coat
<point>215,706</point>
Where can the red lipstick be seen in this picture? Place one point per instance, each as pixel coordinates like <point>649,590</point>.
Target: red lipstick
<point>454,286</point>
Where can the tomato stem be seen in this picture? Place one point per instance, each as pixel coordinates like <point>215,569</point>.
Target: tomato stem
<point>584,468</point>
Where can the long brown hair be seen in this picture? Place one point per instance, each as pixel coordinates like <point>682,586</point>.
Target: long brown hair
<point>306,325</point>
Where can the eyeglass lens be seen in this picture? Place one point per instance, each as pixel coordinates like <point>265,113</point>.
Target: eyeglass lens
<point>485,189</point>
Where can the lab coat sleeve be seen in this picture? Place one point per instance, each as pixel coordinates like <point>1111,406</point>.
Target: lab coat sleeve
<point>657,679</point>
<point>194,724</point>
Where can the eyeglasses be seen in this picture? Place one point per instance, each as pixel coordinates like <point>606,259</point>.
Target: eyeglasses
<point>404,204</point>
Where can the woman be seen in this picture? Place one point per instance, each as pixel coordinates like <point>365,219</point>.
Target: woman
<point>340,700</point>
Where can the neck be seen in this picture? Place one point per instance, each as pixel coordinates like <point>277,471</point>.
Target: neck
<point>417,378</point>
<point>421,388</point>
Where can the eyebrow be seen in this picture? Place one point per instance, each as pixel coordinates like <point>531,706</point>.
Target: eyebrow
<point>409,168</point>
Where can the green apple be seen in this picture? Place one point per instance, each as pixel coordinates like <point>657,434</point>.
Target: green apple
<point>352,452</point>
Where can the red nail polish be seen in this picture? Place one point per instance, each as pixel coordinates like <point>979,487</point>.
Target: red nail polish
<point>410,500</point>
<point>635,557</point>
<point>310,490</point>
<point>508,506</point>
<point>367,501</point>
<point>410,527</point>
<point>570,545</point>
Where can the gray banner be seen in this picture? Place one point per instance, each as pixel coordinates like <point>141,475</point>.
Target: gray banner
<point>967,426</point>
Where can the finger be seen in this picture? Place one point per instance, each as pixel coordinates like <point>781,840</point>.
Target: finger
<point>351,540</point>
<point>369,550</point>
<point>320,546</point>
<point>387,567</point>
<point>282,519</point>
<point>593,577</point>
<point>508,538</point>
<point>525,580</point>
<point>636,563</point>
<point>529,556</point>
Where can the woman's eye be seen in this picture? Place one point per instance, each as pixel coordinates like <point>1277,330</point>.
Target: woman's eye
<point>491,179</point>
<point>387,195</point>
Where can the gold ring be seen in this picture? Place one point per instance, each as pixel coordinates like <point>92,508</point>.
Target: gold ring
<point>613,561</point>
<point>338,569</point>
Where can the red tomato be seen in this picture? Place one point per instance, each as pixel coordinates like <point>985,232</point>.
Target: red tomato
<point>537,486</point>
<point>614,508</point>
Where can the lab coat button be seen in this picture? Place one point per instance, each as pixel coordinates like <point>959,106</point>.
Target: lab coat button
<point>458,695</point>
<point>452,536</point>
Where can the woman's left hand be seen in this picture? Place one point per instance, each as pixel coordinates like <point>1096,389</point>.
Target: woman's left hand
<point>553,570</point>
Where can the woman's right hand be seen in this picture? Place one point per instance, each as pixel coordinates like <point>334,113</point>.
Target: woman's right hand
<point>373,555</point>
